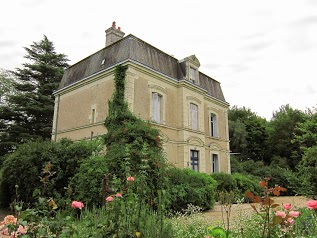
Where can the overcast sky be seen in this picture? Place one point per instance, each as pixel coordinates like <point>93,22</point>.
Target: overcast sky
<point>264,53</point>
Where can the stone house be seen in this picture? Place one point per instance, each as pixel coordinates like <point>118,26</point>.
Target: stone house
<point>186,105</point>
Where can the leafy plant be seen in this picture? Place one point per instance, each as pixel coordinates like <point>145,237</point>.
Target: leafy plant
<point>189,187</point>
<point>266,205</point>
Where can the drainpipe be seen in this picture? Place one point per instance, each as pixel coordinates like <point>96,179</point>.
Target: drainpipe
<point>56,118</point>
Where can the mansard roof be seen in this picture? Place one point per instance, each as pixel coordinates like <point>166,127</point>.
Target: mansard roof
<point>135,49</point>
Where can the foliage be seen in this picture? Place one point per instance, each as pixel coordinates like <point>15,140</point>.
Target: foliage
<point>307,172</point>
<point>124,215</point>
<point>281,134</point>
<point>190,222</point>
<point>87,182</point>
<point>248,134</point>
<point>225,182</point>
<point>305,133</point>
<point>266,207</point>
<point>133,146</point>
<point>189,187</point>
<point>6,87</point>
<point>28,113</point>
<point>246,183</point>
<point>26,164</point>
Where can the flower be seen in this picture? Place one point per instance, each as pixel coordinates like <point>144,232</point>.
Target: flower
<point>130,179</point>
<point>76,204</point>
<point>22,229</point>
<point>109,199</point>
<point>290,221</point>
<point>294,214</point>
<point>10,219</point>
<point>280,214</point>
<point>287,206</point>
<point>138,234</point>
<point>119,195</point>
<point>312,204</point>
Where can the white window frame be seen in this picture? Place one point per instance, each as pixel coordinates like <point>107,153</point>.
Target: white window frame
<point>192,74</point>
<point>215,163</point>
<point>194,160</point>
<point>213,124</point>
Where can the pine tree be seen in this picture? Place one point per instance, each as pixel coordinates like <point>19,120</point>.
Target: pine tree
<point>28,114</point>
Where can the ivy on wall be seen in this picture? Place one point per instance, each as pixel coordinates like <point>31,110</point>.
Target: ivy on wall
<point>134,147</point>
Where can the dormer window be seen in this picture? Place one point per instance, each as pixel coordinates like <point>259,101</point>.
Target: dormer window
<point>190,66</point>
<point>192,75</point>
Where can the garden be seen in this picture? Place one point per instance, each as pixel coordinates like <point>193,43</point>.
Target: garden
<point>80,189</point>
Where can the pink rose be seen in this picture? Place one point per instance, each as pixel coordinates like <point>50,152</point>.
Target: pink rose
<point>312,204</point>
<point>10,219</point>
<point>22,229</point>
<point>294,214</point>
<point>76,204</point>
<point>290,221</point>
<point>109,199</point>
<point>287,206</point>
<point>280,214</point>
<point>130,179</point>
<point>119,195</point>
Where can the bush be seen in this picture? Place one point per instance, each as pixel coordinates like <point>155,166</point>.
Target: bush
<point>246,183</point>
<point>87,182</point>
<point>225,182</point>
<point>189,187</point>
<point>25,168</point>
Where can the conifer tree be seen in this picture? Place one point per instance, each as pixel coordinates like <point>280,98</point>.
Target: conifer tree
<point>28,114</point>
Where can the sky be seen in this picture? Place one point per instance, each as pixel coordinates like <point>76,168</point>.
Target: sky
<point>264,53</point>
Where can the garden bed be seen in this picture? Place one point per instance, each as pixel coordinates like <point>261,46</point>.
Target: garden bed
<point>237,209</point>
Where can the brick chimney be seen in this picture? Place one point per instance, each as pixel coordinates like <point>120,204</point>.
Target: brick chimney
<point>113,34</point>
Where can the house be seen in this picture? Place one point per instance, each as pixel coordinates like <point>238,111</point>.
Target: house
<point>186,105</point>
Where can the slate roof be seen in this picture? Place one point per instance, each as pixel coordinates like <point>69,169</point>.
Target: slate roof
<point>133,48</point>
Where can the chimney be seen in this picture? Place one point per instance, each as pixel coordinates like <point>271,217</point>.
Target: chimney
<point>113,34</point>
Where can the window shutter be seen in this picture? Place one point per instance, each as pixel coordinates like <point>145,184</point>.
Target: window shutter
<point>193,116</point>
<point>156,106</point>
<point>215,126</point>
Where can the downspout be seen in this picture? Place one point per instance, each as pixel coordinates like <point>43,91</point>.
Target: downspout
<point>56,118</point>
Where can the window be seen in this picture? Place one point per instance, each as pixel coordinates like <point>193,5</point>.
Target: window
<point>192,75</point>
<point>157,107</point>
<point>193,116</point>
<point>215,163</point>
<point>213,125</point>
<point>194,165</point>
<point>93,116</point>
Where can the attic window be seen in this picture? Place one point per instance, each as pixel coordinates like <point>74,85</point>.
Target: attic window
<point>103,61</point>
<point>192,75</point>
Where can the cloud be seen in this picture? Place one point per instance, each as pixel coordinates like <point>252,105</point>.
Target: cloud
<point>305,21</point>
<point>7,43</point>
<point>257,46</point>
<point>237,68</point>
<point>32,3</point>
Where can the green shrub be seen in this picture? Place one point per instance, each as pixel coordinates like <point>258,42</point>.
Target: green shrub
<point>225,182</point>
<point>87,182</point>
<point>189,187</point>
<point>246,183</point>
<point>25,168</point>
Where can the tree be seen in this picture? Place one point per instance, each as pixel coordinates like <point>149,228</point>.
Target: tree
<point>281,133</point>
<point>6,87</point>
<point>248,134</point>
<point>305,134</point>
<point>28,114</point>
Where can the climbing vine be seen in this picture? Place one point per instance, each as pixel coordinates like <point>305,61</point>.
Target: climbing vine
<point>134,147</point>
